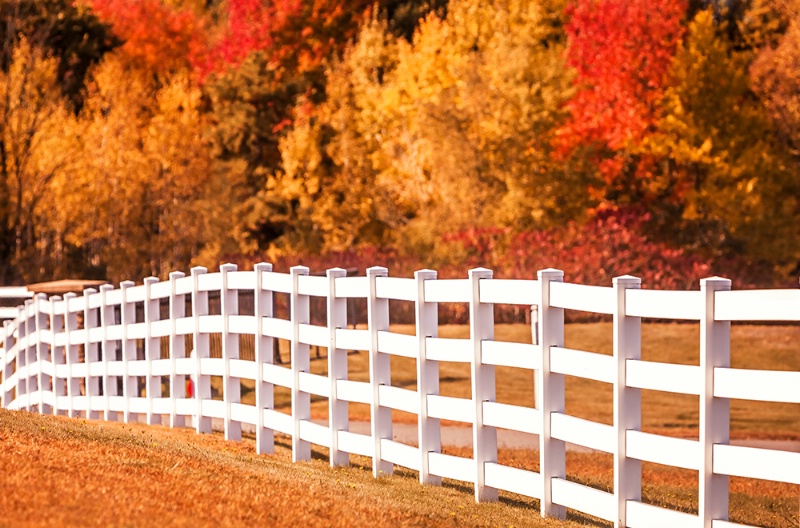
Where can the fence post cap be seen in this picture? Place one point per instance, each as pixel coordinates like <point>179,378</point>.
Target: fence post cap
<point>480,273</point>
<point>262,266</point>
<point>626,280</point>
<point>377,271</point>
<point>425,274</point>
<point>717,283</point>
<point>299,270</point>
<point>550,274</point>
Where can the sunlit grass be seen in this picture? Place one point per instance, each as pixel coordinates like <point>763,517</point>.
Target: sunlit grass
<point>59,471</point>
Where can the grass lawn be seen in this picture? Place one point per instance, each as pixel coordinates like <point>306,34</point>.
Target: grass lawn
<point>68,472</point>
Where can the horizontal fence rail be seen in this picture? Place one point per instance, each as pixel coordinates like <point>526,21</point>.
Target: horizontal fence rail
<point>105,355</point>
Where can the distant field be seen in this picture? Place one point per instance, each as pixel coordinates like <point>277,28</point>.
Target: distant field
<point>752,346</point>
<point>57,471</point>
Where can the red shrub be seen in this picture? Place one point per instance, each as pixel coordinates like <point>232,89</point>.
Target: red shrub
<point>613,243</point>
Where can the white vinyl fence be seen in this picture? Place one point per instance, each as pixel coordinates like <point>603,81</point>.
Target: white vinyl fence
<point>72,355</point>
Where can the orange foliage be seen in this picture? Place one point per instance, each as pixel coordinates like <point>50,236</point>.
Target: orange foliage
<point>157,37</point>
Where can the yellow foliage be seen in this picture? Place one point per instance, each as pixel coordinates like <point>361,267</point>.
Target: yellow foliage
<point>447,132</point>
<point>160,202</point>
<point>776,78</point>
<point>721,156</point>
<point>37,133</point>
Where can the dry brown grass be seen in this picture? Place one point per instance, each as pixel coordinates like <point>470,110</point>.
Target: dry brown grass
<point>68,472</point>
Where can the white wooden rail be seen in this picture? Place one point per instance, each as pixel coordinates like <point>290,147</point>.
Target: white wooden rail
<point>18,294</point>
<point>77,356</point>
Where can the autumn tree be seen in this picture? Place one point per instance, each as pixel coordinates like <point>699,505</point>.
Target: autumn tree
<point>155,36</point>
<point>622,52</point>
<point>298,36</point>
<point>723,177</point>
<point>327,192</point>
<point>159,201</point>
<point>36,144</point>
<point>70,33</point>
<point>46,49</point>
<point>475,98</point>
<point>447,131</point>
<point>248,110</point>
<point>775,75</point>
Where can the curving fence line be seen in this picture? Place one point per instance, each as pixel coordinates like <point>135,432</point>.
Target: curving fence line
<point>86,356</point>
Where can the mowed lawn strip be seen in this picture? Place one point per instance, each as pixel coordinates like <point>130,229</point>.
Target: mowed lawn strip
<point>759,347</point>
<point>72,472</point>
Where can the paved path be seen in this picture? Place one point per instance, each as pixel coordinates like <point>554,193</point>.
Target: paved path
<point>462,437</point>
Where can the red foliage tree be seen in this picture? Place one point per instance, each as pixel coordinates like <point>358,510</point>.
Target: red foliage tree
<point>156,36</point>
<point>622,51</point>
<point>296,36</point>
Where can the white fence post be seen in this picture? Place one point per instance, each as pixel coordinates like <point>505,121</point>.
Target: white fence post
<point>550,393</point>
<point>338,419</point>
<point>73,382</point>
<point>8,368</point>
<point>427,323</point>
<point>106,320</point>
<point>262,307</point>
<point>232,388</point>
<point>40,322</point>
<point>130,387</point>
<point>22,383</point>
<point>715,351</point>
<point>379,371</point>
<point>177,349</point>
<point>301,362</point>
<point>31,376</point>
<point>90,355</point>
<point>152,349</point>
<point>59,355</point>
<point>627,400</point>
<point>202,386</point>
<point>484,438</point>
<point>34,374</point>
<point>34,368</point>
